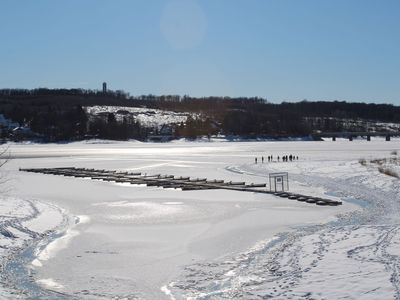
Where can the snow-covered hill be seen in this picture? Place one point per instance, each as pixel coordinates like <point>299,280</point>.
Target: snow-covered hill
<point>147,117</point>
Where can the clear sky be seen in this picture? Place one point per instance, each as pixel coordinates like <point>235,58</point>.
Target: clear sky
<point>282,50</point>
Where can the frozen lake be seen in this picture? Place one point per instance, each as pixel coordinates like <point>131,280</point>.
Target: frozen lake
<point>124,241</point>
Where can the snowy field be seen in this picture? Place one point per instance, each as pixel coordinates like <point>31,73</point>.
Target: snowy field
<point>69,238</point>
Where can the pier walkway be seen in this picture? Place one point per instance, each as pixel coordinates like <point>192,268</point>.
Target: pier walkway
<point>183,183</point>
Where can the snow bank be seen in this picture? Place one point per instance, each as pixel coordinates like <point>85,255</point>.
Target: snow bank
<point>22,224</point>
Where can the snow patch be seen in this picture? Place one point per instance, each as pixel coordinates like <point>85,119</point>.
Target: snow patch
<point>50,283</point>
<point>167,291</point>
<point>57,245</point>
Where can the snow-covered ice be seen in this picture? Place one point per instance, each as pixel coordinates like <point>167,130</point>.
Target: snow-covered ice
<point>91,239</point>
<point>24,223</point>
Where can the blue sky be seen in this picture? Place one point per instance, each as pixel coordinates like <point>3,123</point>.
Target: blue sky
<point>282,50</point>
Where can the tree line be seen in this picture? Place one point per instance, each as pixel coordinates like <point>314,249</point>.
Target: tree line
<point>58,114</point>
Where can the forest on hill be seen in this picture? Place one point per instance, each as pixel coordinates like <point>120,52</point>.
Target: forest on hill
<point>60,114</point>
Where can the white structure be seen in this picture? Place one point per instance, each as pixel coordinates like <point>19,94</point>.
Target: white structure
<point>7,123</point>
<point>279,182</point>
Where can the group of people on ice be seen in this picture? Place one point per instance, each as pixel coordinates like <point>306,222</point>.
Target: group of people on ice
<point>285,158</point>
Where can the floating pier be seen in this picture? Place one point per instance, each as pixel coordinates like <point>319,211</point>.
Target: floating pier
<point>183,183</point>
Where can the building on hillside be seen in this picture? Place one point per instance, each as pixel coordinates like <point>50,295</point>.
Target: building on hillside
<point>165,134</point>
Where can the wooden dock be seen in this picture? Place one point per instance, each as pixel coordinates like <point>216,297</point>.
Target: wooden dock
<point>174,182</point>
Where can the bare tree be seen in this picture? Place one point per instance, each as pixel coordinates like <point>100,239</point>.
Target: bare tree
<point>4,158</point>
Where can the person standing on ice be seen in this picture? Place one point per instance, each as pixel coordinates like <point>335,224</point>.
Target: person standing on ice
<point>262,159</point>
<point>255,160</point>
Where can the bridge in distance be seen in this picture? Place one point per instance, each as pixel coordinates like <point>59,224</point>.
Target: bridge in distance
<point>351,135</point>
